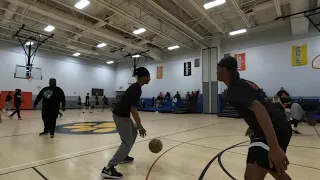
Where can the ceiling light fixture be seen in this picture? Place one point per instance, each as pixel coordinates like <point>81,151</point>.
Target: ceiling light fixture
<point>139,31</point>
<point>110,62</point>
<point>49,28</point>
<point>241,31</point>
<point>213,4</point>
<point>76,54</point>
<point>101,45</point>
<point>82,4</point>
<point>136,56</point>
<point>29,43</point>
<point>173,47</point>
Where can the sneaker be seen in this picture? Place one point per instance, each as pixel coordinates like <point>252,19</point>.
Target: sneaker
<point>10,117</point>
<point>111,173</point>
<point>296,132</point>
<point>43,134</point>
<point>128,159</point>
<point>60,115</point>
<point>51,136</point>
<point>20,118</point>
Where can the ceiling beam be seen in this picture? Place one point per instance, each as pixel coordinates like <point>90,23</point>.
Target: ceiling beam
<point>243,16</point>
<point>181,24</point>
<point>278,7</point>
<point>210,30</point>
<point>102,23</point>
<point>137,21</point>
<point>73,23</point>
<point>206,16</point>
<point>318,3</point>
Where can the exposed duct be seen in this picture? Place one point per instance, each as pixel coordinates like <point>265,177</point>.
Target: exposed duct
<point>8,14</point>
<point>299,23</point>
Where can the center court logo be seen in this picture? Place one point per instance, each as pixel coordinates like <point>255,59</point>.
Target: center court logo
<point>102,127</point>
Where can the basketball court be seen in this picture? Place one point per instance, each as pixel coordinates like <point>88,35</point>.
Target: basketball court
<point>190,142</point>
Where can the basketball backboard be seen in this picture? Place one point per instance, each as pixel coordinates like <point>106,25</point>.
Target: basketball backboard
<point>27,72</point>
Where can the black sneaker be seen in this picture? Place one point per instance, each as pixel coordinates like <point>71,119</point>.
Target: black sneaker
<point>43,134</point>
<point>51,136</point>
<point>111,173</point>
<point>296,132</point>
<point>128,159</point>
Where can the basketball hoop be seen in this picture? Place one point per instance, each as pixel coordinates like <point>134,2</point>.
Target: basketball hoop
<point>316,62</point>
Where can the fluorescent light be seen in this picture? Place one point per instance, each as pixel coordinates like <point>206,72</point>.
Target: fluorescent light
<point>213,4</point>
<point>82,4</point>
<point>136,56</point>
<point>241,31</point>
<point>49,28</point>
<point>110,62</point>
<point>76,54</point>
<point>173,47</point>
<point>101,45</point>
<point>29,43</point>
<point>139,31</point>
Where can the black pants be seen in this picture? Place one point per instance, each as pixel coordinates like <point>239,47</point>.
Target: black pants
<point>17,110</point>
<point>49,120</point>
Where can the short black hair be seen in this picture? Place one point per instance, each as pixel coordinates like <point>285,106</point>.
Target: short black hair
<point>229,62</point>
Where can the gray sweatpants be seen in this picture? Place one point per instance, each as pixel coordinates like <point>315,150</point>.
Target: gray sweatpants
<point>8,106</point>
<point>128,134</point>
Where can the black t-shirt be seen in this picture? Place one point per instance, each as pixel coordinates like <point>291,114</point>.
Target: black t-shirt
<point>87,100</point>
<point>17,99</point>
<point>287,100</point>
<point>51,98</point>
<point>241,94</point>
<point>130,98</point>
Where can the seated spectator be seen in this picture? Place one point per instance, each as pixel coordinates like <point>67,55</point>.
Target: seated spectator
<point>188,96</point>
<point>297,115</point>
<point>277,103</point>
<point>286,102</point>
<point>279,94</point>
<point>193,94</point>
<point>177,96</point>
<point>142,104</point>
<point>167,97</point>
<point>160,96</point>
<point>174,101</point>
<point>158,103</point>
<point>152,102</point>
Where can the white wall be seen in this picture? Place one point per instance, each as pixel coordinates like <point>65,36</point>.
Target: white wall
<point>270,67</point>
<point>173,78</point>
<point>71,75</point>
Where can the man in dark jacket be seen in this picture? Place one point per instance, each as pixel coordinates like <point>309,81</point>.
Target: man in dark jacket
<point>17,103</point>
<point>51,97</point>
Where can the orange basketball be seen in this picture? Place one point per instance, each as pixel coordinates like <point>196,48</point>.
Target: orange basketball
<point>155,145</point>
<point>309,120</point>
<point>22,100</point>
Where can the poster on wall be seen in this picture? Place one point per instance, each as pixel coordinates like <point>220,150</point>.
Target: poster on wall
<point>187,69</point>
<point>241,58</point>
<point>300,55</point>
<point>159,72</point>
<point>197,62</point>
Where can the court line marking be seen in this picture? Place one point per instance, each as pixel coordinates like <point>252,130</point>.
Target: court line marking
<point>18,135</point>
<point>151,167</point>
<point>89,151</point>
<point>40,174</point>
<point>316,130</point>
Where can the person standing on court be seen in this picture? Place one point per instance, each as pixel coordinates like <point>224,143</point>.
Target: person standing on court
<point>270,128</point>
<point>8,102</point>
<point>126,128</point>
<point>17,103</point>
<point>52,96</point>
<point>87,103</point>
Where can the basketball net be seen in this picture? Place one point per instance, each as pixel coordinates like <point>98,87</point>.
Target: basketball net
<point>29,78</point>
<point>316,62</point>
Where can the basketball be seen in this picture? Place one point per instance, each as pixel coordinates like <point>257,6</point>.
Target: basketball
<point>155,145</point>
<point>309,120</point>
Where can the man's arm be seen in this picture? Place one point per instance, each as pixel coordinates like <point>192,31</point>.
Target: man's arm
<point>265,122</point>
<point>39,98</point>
<point>136,117</point>
<point>63,100</point>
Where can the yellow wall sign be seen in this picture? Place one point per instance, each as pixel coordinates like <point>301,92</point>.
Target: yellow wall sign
<point>299,55</point>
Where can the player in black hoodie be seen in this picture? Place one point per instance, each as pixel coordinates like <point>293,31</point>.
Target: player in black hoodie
<point>17,103</point>
<point>51,97</point>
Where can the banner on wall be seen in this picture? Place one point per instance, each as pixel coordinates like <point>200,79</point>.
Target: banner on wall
<point>159,72</point>
<point>300,55</point>
<point>187,69</point>
<point>241,58</point>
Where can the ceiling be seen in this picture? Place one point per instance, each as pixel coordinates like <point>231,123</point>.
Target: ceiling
<point>167,22</point>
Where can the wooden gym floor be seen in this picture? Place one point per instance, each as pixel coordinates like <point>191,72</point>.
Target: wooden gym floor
<point>86,142</point>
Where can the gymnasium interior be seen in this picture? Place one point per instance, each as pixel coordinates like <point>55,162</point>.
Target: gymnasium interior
<point>93,46</point>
